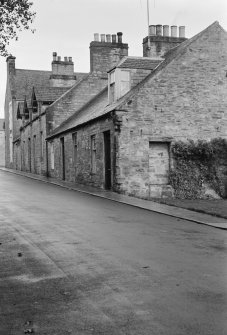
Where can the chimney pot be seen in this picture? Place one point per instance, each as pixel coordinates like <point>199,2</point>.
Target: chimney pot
<point>96,37</point>
<point>173,31</point>
<point>152,30</point>
<point>103,39</point>
<point>159,30</point>
<point>119,37</point>
<point>108,38</point>
<point>59,58</point>
<point>165,30</point>
<point>65,59</point>
<point>182,31</point>
<point>70,59</point>
<point>54,56</point>
<point>114,38</point>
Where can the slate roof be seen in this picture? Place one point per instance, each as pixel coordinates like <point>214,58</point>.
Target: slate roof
<point>26,79</point>
<point>94,108</point>
<point>98,105</point>
<point>145,63</point>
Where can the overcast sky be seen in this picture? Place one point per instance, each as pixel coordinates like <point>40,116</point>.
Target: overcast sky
<point>67,27</point>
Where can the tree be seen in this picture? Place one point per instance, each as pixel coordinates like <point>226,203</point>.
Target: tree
<point>15,15</point>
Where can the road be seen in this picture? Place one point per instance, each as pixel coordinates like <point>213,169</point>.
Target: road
<point>72,263</point>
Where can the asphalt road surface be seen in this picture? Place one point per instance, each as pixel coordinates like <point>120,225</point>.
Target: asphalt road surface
<point>71,263</point>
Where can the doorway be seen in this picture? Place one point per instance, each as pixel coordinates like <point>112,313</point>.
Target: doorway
<point>63,157</point>
<point>29,155</point>
<point>34,153</point>
<point>107,160</point>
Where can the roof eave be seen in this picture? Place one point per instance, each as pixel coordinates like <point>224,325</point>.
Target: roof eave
<point>50,137</point>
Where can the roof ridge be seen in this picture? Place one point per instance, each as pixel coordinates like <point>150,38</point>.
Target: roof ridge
<point>33,70</point>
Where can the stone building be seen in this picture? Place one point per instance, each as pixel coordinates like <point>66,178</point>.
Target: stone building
<point>115,126</point>
<point>121,139</point>
<point>2,142</point>
<point>30,92</point>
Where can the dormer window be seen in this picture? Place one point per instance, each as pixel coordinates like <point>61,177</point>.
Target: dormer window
<point>26,111</point>
<point>34,102</point>
<point>18,112</point>
<point>124,82</point>
<point>119,84</point>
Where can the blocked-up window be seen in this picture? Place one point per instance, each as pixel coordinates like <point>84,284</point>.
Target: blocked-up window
<point>93,154</point>
<point>75,148</point>
<point>159,163</point>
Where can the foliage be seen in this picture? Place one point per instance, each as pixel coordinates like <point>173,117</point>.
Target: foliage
<point>196,164</point>
<point>15,15</point>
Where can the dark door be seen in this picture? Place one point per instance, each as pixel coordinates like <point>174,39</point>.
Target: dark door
<point>29,155</point>
<point>63,157</point>
<point>34,153</point>
<point>107,160</point>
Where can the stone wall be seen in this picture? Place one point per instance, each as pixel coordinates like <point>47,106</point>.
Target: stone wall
<point>104,55</point>
<point>33,146</point>
<point>2,148</point>
<point>81,172</point>
<point>186,99</point>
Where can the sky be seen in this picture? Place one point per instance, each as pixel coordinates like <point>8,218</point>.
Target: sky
<point>67,27</point>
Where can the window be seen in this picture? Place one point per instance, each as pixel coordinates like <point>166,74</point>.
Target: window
<point>34,152</point>
<point>119,84</point>
<point>34,143</point>
<point>52,155</point>
<point>75,143</point>
<point>124,82</point>
<point>111,87</point>
<point>93,154</point>
<point>41,145</point>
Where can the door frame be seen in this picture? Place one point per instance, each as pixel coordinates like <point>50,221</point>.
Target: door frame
<point>62,141</point>
<point>107,160</point>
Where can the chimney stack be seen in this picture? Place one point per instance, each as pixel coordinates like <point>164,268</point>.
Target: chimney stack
<point>62,72</point>
<point>160,40</point>
<point>11,70</point>
<point>105,54</point>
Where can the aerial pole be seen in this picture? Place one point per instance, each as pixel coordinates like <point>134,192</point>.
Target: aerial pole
<point>148,23</point>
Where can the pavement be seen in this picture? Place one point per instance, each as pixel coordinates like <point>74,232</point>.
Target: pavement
<point>177,212</point>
